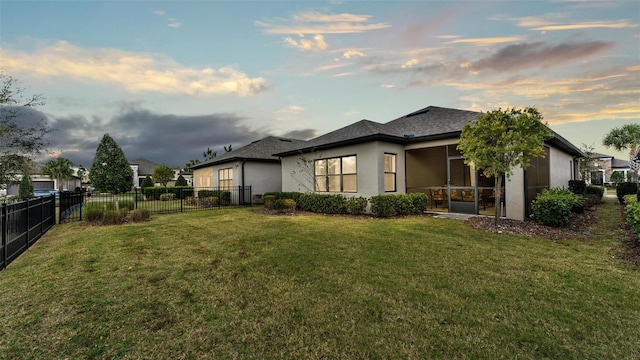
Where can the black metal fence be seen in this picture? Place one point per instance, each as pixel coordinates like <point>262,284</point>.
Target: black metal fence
<point>23,223</point>
<point>73,206</point>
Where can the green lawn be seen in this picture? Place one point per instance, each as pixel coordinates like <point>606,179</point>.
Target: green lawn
<point>239,284</point>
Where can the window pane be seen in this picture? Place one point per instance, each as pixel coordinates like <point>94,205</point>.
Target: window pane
<point>321,183</point>
<point>334,166</point>
<point>389,182</point>
<point>321,167</point>
<point>334,183</point>
<point>350,183</point>
<point>349,165</point>
<point>389,163</point>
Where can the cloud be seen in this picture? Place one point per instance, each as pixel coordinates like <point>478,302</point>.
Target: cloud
<point>539,54</point>
<point>135,72</point>
<point>388,86</point>
<point>344,74</point>
<point>588,25</point>
<point>163,138</point>
<point>318,23</point>
<point>317,44</point>
<point>486,41</point>
<point>409,63</point>
<point>174,23</point>
<point>304,134</point>
<point>352,53</point>
<point>159,12</point>
<point>290,112</point>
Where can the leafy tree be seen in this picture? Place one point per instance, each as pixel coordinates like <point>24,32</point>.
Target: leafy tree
<point>588,163</point>
<point>209,154</point>
<point>147,182</point>
<point>227,149</point>
<point>617,177</point>
<point>59,169</point>
<point>162,174</point>
<point>626,137</point>
<point>500,140</point>
<point>110,170</point>
<point>181,181</point>
<point>21,136</point>
<point>25,189</point>
<point>188,167</point>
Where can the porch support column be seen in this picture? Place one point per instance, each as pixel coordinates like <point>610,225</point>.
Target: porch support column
<point>514,194</point>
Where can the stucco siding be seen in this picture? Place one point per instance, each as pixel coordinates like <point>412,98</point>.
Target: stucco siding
<point>370,168</point>
<point>560,164</point>
<point>262,177</point>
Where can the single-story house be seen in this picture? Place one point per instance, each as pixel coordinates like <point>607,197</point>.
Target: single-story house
<point>251,165</point>
<point>45,182</point>
<point>413,153</point>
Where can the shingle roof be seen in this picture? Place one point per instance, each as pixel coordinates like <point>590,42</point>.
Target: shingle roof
<point>145,167</point>
<point>260,150</point>
<point>431,121</point>
<point>617,163</point>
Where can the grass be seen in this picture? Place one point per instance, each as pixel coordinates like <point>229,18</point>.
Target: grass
<point>239,284</point>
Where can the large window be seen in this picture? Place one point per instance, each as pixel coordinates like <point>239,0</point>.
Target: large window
<point>225,178</point>
<point>336,174</point>
<point>389,172</point>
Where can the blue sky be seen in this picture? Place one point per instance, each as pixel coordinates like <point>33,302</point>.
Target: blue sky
<point>169,79</point>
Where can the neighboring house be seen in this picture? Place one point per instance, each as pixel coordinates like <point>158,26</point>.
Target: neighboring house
<point>251,165</point>
<point>418,153</point>
<point>142,167</point>
<point>41,181</point>
<point>607,165</point>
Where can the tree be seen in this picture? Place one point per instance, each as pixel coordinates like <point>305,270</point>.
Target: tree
<point>110,170</point>
<point>59,169</point>
<point>147,182</point>
<point>188,167</point>
<point>181,181</point>
<point>82,173</point>
<point>587,163</point>
<point>23,130</point>
<point>227,149</point>
<point>500,140</point>
<point>626,137</point>
<point>25,189</point>
<point>162,174</point>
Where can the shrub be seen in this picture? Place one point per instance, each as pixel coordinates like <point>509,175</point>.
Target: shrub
<point>577,186</point>
<point>323,203</point>
<point>112,217</point>
<point>224,196</point>
<point>630,199</point>
<point>598,191</point>
<point>110,206</point>
<point>420,202</point>
<point>167,197</point>
<point>139,215</point>
<point>147,182</point>
<point>285,205</point>
<point>356,205</point>
<point>181,181</point>
<point>632,211</point>
<point>269,201</point>
<point>126,204</point>
<point>94,215</point>
<point>552,207</point>
<point>626,188</point>
<point>403,204</point>
<point>383,205</point>
<point>295,196</point>
<point>208,202</point>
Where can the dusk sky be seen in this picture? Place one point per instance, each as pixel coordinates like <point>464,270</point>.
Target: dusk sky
<point>168,79</point>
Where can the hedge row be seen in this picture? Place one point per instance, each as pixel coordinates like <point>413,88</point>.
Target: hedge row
<point>179,192</point>
<point>632,211</point>
<point>381,205</point>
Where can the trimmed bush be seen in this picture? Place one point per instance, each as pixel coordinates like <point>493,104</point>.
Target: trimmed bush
<point>323,203</point>
<point>224,196</point>
<point>626,188</point>
<point>356,205</point>
<point>594,190</point>
<point>577,186</point>
<point>110,206</point>
<point>147,182</point>
<point>285,205</point>
<point>139,215</point>
<point>295,196</point>
<point>94,215</point>
<point>383,205</point>
<point>632,211</point>
<point>181,181</point>
<point>420,202</point>
<point>403,204</point>
<point>630,199</point>
<point>269,201</point>
<point>552,207</point>
<point>112,217</point>
<point>167,197</point>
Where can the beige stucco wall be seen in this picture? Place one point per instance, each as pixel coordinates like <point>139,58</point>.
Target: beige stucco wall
<point>261,176</point>
<point>514,195</point>
<point>369,167</point>
<point>560,166</point>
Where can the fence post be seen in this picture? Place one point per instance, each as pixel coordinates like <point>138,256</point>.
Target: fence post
<point>5,228</point>
<point>136,196</point>
<point>181,199</point>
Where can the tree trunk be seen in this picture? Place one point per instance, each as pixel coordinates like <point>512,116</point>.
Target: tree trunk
<point>498,201</point>
<point>633,165</point>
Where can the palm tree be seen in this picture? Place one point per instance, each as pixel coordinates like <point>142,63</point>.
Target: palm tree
<point>623,138</point>
<point>59,169</point>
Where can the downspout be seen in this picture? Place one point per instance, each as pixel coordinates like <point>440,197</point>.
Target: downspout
<point>242,180</point>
